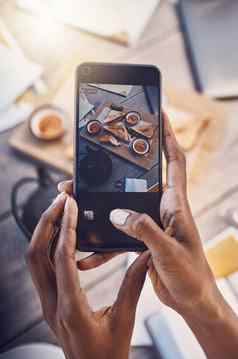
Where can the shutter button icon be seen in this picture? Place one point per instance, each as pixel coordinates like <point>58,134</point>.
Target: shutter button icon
<point>88,215</point>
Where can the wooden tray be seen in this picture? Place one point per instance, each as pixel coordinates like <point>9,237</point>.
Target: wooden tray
<point>59,154</point>
<point>147,161</point>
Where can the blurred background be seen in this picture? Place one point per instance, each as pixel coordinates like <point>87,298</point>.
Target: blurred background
<point>194,44</point>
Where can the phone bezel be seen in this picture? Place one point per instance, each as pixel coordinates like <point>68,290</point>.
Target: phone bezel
<point>113,73</point>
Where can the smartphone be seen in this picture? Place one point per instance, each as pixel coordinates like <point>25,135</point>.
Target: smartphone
<point>117,162</point>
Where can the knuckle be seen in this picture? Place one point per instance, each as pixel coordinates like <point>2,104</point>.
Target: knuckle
<point>140,225</point>
<point>170,255</point>
<point>67,229</point>
<point>45,218</point>
<point>61,252</point>
<point>69,225</point>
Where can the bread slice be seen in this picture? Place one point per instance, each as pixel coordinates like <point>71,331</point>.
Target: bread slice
<point>113,115</point>
<point>145,129</point>
<point>107,138</point>
<point>119,131</point>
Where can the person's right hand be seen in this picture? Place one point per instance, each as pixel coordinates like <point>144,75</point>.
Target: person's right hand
<point>179,271</point>
<point>178,268</point>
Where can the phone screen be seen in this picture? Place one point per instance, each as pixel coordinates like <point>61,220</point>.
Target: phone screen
<point>118,158</point>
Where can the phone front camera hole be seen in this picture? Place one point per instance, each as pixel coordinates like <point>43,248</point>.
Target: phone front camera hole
<point>86,70</point>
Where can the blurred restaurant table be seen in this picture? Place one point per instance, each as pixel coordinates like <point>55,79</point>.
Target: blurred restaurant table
<point>58,48</point>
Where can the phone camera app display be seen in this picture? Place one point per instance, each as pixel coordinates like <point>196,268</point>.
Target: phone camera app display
<point>118,138</point>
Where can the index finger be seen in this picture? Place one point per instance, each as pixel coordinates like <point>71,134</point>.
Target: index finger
<point>67,278</point>
<point>96,260</point>
<point>46,226</point>
<point>124,308</point>
<point>37,254</point>
<point>176,163</point>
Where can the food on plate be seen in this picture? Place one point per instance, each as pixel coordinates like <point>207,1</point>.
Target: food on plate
<point>119,131</point>
<point>140,146</point>
<point>47,123</point>
<point>109,139</point>
<point>145,129</point>
<point>132,118</point>
<point>113,115</point>
<point>94,127</point>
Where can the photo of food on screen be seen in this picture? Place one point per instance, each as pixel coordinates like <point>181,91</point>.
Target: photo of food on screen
<point>118,138</point>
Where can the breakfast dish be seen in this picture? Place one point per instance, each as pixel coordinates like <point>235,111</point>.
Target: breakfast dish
<point>132,118</point>
<point>145,129</point>
<point>47,123</point>
<point>109,139</point>
<point>113,115</point>
<point>119,131</point>
<point>140,146</point>
<point>94,127</point>
<point>198,122</point>
<point>124,132</point>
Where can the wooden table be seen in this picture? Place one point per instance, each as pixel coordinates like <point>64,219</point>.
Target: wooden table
<point>161,44</point>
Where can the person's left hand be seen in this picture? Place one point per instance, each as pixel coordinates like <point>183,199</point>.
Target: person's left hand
<point>81,332</point>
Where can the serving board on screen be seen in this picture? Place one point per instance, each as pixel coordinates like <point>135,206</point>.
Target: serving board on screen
<point>124,150</point>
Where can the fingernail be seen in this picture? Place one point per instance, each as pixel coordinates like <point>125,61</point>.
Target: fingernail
<point>60,186</point>
<point>119,216</point>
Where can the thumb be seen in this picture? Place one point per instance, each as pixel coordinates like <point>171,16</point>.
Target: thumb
<point>143,228</point>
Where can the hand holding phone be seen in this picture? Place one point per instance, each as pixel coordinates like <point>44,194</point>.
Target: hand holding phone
<point>80,331</point>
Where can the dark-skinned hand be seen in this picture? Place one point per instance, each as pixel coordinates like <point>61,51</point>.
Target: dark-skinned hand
<point>178,268</point>
<point>82,333</point>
